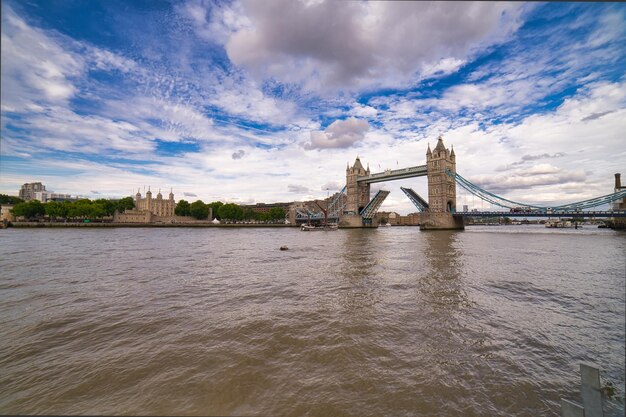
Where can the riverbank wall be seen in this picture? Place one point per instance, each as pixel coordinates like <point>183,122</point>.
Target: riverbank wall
<point>66,225</point>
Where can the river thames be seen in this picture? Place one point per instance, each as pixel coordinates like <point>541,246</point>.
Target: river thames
<point>490,321</point>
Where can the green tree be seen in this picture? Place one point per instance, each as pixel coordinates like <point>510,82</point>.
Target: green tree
<point>126,203</point>
<point>231,211</point>
<point>29,209</point>
<point>10,200</point>
<point>215,206</point>
<point>108,206</point>
<point>199,210</point>
<point>182,208</point>
<point>276,213</point>
<point>249,214</point>
<point>96,211</point>
<point>66,206</point>
<point>56,210</point>
<point>81,209</point>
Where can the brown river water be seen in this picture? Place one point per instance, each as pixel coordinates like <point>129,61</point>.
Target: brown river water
<point>490,321</point>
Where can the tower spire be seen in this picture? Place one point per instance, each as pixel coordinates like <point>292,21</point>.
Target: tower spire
<point>440,146</point>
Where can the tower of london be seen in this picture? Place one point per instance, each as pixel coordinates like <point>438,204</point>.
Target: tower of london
<point>157,206</point>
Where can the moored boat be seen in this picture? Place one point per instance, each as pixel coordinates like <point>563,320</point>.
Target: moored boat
<point>563,224</point>
<point>312,228</point>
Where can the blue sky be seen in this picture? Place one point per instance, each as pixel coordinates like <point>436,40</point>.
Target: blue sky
<point>267,101</point>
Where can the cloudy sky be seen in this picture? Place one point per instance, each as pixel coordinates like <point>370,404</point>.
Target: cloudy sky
<point>267,101</point>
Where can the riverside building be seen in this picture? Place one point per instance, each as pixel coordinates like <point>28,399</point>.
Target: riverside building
<point>28,190</point>
<point>37,191</point>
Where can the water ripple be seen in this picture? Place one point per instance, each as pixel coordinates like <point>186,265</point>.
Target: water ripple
<point>490,321</point>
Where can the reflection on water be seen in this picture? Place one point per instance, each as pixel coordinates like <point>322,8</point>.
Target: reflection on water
<point>489,321</point>
<point>443,286</point>
<point>358,269</point>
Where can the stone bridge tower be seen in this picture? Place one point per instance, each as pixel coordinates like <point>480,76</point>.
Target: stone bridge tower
<point>441,187</point>
<point>357,194</point>
<point>441,191</point>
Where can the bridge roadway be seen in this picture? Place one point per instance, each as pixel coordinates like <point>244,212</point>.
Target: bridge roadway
<point>620,213</point>
<point>395,174</point>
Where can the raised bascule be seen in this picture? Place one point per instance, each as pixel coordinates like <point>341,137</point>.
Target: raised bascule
<point>354,207</point>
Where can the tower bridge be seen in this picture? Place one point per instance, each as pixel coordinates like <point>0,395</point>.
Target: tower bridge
<point>353,207</point>
<point>359,209</point>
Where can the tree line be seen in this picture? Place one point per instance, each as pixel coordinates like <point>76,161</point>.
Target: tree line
<point>228,211</point>
<point>70,210</point>
<point>97,209</point>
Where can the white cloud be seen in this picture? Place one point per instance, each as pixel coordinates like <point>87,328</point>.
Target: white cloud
<point>330,44</point>
<point>178,120</point>
<point>339,134</point>
<point>584,152</point>
<point>245,99</point>
<point>61,129</point>
<point>359,110</point>
<point>211,21</point>
<point>533,177</point>
<point>300,189</point>
<point>107,61</point>
<point>35,68</point>
<point>443,67</point>
<point>332,186</point>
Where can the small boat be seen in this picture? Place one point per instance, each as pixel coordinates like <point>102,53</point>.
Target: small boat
<point>563,224</point>
<point>311,228</point>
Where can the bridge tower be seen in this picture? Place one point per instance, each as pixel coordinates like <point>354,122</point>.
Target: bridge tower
<point>441,190</point>
<point>357,194</point>
<point>441,187</point>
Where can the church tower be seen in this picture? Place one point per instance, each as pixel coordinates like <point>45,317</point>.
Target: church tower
<point>358,194</point>
<point>441,187</point>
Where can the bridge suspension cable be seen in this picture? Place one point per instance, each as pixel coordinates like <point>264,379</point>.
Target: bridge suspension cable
<point>503,202</point>
<point>486,195</point>
<point>593,202</point>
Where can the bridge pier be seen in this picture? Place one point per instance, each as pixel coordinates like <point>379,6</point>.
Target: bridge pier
<point>441,221</point>
<point>352,221</point>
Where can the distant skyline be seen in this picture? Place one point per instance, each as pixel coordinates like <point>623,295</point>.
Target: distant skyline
<point>267,101</point>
